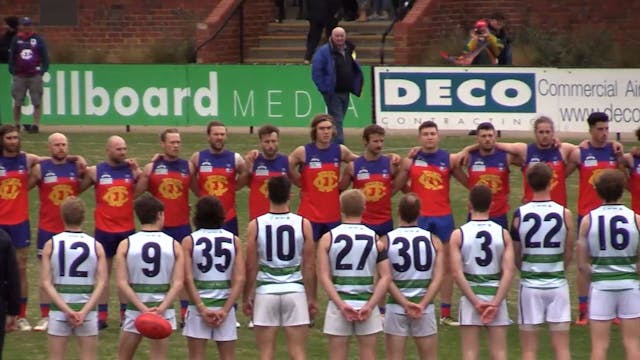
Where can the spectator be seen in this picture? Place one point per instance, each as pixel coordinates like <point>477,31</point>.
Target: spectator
<point>10,294</point>
<point>28,61</point>
<point>280,15</point>
<point>336,73</point>
<point>379,10</point>
<point>322,15</point>
<point>497,28</point>
<point>483,46</point>
<point>363,7</point>
<point>11,29</point>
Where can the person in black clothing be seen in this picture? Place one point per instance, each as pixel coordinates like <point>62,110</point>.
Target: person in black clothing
<point>497,27</point>
<point>9,287</point>
<point>322,15</point>
<point>11,29</point>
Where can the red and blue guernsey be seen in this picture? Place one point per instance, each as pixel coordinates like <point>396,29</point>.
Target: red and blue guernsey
<point>57,182</point>
<point>169,182</point>
<point>263,169</point>
<point>634,185</point>
<point>14,198</point>
<point>319,193</point>
<point>553,158</point>
<point>430,174</point>
<point>493,171</point>
<point>114,198</point>
<point>374,179</point>
<point>217,177</point>
<point>593,161</point>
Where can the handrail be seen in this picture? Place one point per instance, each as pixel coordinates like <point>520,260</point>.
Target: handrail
<point>402,11</point>
<point>239,7</point>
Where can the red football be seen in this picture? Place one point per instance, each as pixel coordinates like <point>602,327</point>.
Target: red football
<point>153,326</point>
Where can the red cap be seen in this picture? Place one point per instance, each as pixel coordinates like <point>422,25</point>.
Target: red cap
<point>482,23</point>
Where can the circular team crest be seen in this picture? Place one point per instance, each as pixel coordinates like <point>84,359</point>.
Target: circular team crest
<point>594,176</point>
<point>59,193</point>
<point>216,185</point>
<point>492,181</point>
<point>170,189</point>
<point>431,180</point>
<point>374,191</point>
<point>10,188</point>
<point>326,181</point>
<point>116,196</point>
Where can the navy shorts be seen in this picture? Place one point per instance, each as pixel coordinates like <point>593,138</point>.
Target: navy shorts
<point>320,229</point>
<point>441,226</point>
<point>381,229</point>
<point>43,237</point>
<point>20,234</point>
<point>111,240</point>
<point>178,232</point>
<point>231,226</point>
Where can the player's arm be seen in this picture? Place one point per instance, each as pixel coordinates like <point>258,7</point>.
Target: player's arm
<point>46,283</point>
<point>455,162</point>
<point>193,161</point>
<point>122,277</point>
<point>251,267</point>
<point>88,180</point>
<point>81,164</point>
<point>189,283</point>
<point>32,160</point>
<point>143,181</point>
<point>242,178</point>
<point>237,278</point>
<point>507,269</point>
<point>101,280</point>
<point>572,162</point>
<point>296,159</point>
<point>455,261</point>
<point>437,274</point>
<point>402,178</point>
<point>582,248</point>
<point>570,238</point>
<point>245,177</point>
<point>384,276</point>
<point>324,271</point>
<point>34,177</point>
<point>346,155</point>
<point>309,266</point>
<point>515,236</point>
<point>347,175</point>
<point>135,168</point>
<point>518,151</point>
<point>177,279</point>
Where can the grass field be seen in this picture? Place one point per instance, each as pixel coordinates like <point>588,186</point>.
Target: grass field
<point>143,145</point>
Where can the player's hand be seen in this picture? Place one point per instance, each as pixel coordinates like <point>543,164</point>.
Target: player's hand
<point>480,306</point>
<point>313,309</point>
<point>413,310</point>
<point>584,144</point>
<point>349,313</point>
<point>73,318</point>
<point>133,164</point>
<point>210,318</point>
<point>218,317</point>
<point>394,159</point>
<point>247,308</point>
<point>10,323</point>
<point>411,154</point>
<point>635,151</point>
<point>364,312</point>
<point>618,149</point>
<point>251,155</point>
<point>156,157</point>
<point>489,314</point>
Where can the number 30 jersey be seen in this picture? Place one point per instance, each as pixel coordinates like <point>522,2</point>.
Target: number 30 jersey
<point>280,243</point>
<point>150,262</point>
<point>73,269</point>
<point>213,256</point>
<point>412,256</point>
<point>481,250</point>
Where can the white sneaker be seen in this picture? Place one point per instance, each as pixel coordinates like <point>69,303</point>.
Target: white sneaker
<point>237,324</point>
<point>22,324</point>
<point>42,325</point>
<point>250,324</point>
<point>449,321</point>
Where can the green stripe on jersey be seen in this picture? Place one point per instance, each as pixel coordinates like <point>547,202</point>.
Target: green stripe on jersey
<point>360,297</point>
<point>279,271</point>
<point>484,290</point>
<point>150,288</point>
<point>74,289</point>
<point>539,258</point>
<point>412,284</point>
<point>482,278</point>
<point>263,283</point>
<point>73,306</point>
<point>613,276</point>
<point>353,280</point>
<point>212,285</point>
<point>151,304</point>
<point>212,302</point>
<point>614,260</point>
<point>413,299</point>
<point>531,275</point>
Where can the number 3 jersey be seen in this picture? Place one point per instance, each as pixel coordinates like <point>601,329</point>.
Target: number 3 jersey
<point>412,256</point>
<point>213,256</point>
<point>150,260</point>
<point>544,231</point>
<point>481,250</point>
<point>73,269</point>
<point>280,242</point>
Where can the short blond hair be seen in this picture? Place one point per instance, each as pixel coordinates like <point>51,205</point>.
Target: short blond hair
<point>72,210</point>
<point>352,203</point>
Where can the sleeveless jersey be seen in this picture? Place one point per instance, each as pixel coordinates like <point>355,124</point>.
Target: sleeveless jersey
<point>353,256</point>
<point>14,196</point>
<point>542,231</point>
<point>553,158</point>
<point>374,179</point>
<point>114,198</point>
<point>319,193</point>
<point>214,253</point>
<point>592,162</point>
<point>613,246</point>
<point>430,175</point>
<point>493,171</point>
<point>217,177</point>
<point>280,244</point>
<point>169,182</point>
<point>150,261</point>
<point>262,170</point>
<point>634,185</point>
<point>481,249</point>
<point>412,256</point>
<point>73,269</point>
<point>57,182</point>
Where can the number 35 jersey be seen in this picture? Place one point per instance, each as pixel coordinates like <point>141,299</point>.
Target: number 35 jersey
<point>280,243</point>
<point>213,256</point>
<point>481,250</point>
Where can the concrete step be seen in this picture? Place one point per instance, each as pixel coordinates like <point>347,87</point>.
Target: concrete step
<point>274,40</point>
<point>295,62</point>
<point>376,27</point>
<point>297,52</point>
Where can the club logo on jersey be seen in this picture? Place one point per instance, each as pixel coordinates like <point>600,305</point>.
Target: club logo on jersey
<point>431,180</point>
<point>206,167</point>
<point>315,163</point>
<point>170,188</point>
<point>59,193</point>
<point>594,176</point>
<point>216,185</point>
<point>479,166</point>
<point>420,163</point>
<point>105,179</point>
<point>363,174</point>
<point>374,191</point>
<point>10,188</point>
<point>116,196</point>
<point>3,171</point>
<point>554,180</point>
<point>262,170</point>
<point>590,161</point>
<point>326,181</point>
<point>161,170</point>
<point>49,177</point>
<point>534,160</point>
<point>264,188</point>
<point>492,181</point>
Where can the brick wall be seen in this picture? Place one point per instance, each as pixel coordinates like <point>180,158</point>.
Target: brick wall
<point>430,21</point>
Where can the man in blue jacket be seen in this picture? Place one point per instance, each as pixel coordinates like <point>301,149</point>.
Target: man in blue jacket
<point>336,73</point>
<point>28,61</point>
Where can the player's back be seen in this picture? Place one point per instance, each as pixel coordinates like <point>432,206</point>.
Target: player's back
<point>150,262</point>
<point>213,255</point>
<point>481,250</point>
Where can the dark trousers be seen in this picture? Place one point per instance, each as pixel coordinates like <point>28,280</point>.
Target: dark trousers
<point>280,9</point>
<point>337,105</point>
<point>314,34</point>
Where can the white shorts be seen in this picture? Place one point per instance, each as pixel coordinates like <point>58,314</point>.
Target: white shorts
<point>607,305</point>
<point>195,327</point>
<point>537,306</point>
<point>336,324</point>
<point>59,327</point>
<point>468,315</point>
<point>402,325</point>
<point>288,309</point>
<point>130,318</point>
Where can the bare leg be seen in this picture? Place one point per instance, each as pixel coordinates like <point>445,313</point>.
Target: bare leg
<point>17,112</point>
<point>266,341</point>
<point>560,343</point>
<point>599,338</point>
<point>297,341</point>
<point>23,256</point>
<point>631,337</point>
<point>395,346</point>
<point>470,342</point>
<point>57,347</point>
<point>427,347</point>
<point>367,346</point>
<point>338,347</point>
<point>37,111</point>
<point>529,342</point>
<point>159,349</point>
<point>128,344</point>
<point>197,348</point>
<point>226,350</point>
<point>88,347</point>
<point>498,342</point>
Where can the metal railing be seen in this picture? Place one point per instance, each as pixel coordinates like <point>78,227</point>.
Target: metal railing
<point>400,13</point>
<point>239,9</point>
